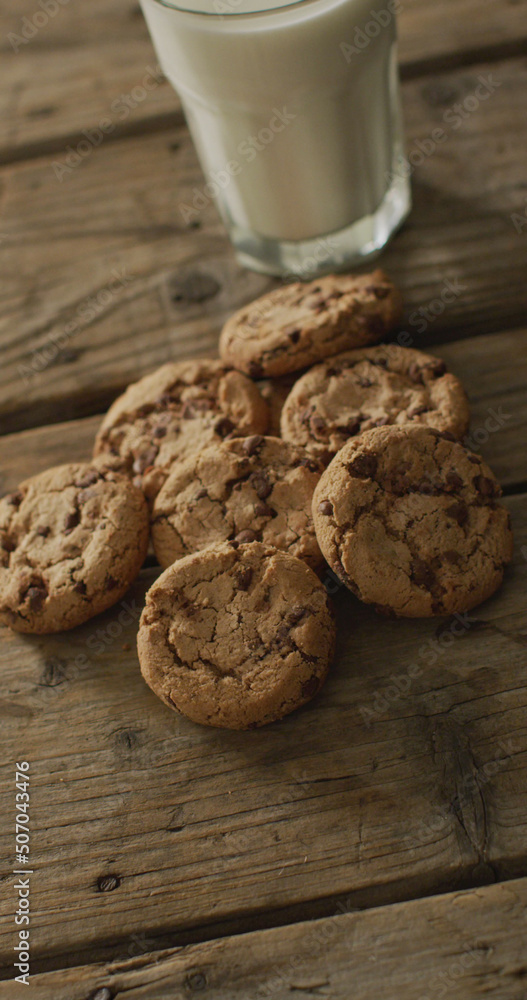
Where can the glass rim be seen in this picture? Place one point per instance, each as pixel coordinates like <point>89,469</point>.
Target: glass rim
<point>171,5</point>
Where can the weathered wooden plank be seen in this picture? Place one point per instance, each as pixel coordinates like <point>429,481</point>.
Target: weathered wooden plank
<point>407,775</point>
<point>66,77</point>
<point>493,367</point>
<point>107,222</point>
<point>464,944</point>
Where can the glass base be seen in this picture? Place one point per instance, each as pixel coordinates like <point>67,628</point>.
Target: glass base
<point>338,251</point>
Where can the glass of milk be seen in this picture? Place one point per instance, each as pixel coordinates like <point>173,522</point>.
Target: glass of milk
<point>294,110</point>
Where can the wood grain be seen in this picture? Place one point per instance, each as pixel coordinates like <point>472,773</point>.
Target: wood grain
<point>407,775</point>
<point>492,367</point>
<point>67,76</point>
<point>468,944</point>
<point>108,218</point>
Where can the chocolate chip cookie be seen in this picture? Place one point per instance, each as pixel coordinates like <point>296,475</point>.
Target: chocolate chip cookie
<point>372,387</point>
<point>409,520</point>
<point>236,636</point>
<point>248,489</point>
<point>175,411</point>
<point>72,540</point>
<point>299,324</point>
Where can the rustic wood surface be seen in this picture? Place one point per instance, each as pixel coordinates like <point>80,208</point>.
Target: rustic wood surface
<point>387,786</point>
<point>67,76</point>
<point>156,843</point>
<point>468,944</point>
<point>107,220</point>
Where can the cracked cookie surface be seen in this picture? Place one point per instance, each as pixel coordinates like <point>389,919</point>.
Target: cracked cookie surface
<point>175,411</point>
<point>248,489</point>
<point>299,324</point>
<point>372,387</point>
<point>409,521</point>
<point>236,636</point>
<point>72,540</point>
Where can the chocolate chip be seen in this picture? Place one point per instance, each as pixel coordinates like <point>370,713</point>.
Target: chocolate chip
<point>251,444</point>
<point>245,536</point>
<point>459,511</point>
<point>310,687</point>
<point>159,431</point>
<point>264,510</point>
<point>447,436</point>
<point>363,466</point>
<point>422,575</point>
<point>335,295</point>
<point>72,521</point>
<point>486,486</point>
<point>363,382</point>
<point>243,578</point>
<point>318,424</point>
<point>352,428</point>
<point>15,499</point>
<point>255,369</point>
<point>380,362</point>
<point>261,485</point>
<point>111,583</point>
<point>224,427</point>
<point>305,416</point>
<point>454,481</point>
<point>80,587</point>
<point>36,595</point>
<point>325,507</point>
<point>88,479</point>
<point>415,373</point>
<point>379,291</point>
<point>294,336</point>
<point>474,459</point>
<point>43,532</point>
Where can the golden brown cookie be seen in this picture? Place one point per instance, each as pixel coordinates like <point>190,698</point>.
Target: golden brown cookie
<point>299,324</point>
<point>236,636</point>
<point>409,521</point>
<point>72,540</point>
<point>175,411</point>
<point>248,489</point>
<point>372,387</point>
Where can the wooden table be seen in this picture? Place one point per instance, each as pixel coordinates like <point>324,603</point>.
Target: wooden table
<point>375,843</point>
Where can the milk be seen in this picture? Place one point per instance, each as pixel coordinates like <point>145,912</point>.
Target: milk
<point>294,111</point>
